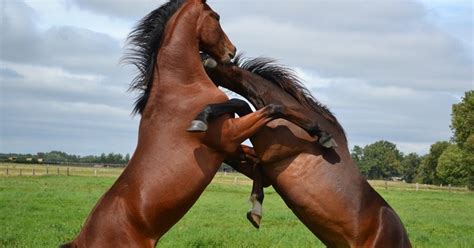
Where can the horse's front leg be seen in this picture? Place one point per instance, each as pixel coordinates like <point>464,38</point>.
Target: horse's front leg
<point>240,107</point>
<point>233,133</point>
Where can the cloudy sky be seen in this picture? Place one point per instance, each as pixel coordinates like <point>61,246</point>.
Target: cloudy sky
<point>388,69</point>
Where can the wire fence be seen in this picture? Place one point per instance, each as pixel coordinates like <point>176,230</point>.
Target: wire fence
<point>223,177</point>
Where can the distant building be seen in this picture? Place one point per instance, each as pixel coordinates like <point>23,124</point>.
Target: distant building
<point>399,179</point>
<point>12,159</point>
<point>40,160</point>
<point>29,159</point>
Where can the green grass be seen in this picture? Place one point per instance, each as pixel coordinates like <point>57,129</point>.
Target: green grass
<point>49,210</point>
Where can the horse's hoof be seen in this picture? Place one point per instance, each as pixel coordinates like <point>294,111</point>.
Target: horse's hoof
<point>210,63</point>
<point>197,126</point>
<point>254,219</point>
<point>326,140</point>
<point>329,143</point>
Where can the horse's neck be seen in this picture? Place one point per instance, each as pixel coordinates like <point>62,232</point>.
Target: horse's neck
<point>178,59</point>
<point>257,90</point>
<point>177,63</point>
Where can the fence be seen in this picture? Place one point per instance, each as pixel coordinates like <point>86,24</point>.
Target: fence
<point>56,170</point>
<point>14,169</point>
<point>381,184</point>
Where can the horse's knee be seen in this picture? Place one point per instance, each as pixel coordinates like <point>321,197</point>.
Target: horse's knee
<point>242,107</point>
<point>275,110</point>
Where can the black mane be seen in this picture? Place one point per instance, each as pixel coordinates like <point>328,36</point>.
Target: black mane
<point>144,41</point>
<point>286,79</point>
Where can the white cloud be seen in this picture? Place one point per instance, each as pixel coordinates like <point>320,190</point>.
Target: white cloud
<point>416,59</point>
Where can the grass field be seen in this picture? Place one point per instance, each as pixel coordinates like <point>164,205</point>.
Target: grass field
<point>44,211</point>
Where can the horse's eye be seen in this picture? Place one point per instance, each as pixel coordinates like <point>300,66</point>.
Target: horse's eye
<point>217,16</point>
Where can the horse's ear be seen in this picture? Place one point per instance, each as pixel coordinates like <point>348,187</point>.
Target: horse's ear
<point>204,1</point>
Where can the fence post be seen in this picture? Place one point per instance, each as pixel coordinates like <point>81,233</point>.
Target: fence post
<point>235,180</point>
<point>225,173</point>
<point>95,172</point>
<point>20,172</point>
<point>417,186</point>
<point>58,171</point>
<point>67,171</point>
<point>386,184</point>
<point>47,170</point>
<point>34,171</point>
<point>449,187</point>
<point>7,172</point>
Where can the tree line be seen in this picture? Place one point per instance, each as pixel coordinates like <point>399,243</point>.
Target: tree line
<point>60,157</point>
<point>448,162</point>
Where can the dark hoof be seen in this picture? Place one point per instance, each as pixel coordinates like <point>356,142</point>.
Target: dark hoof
<point>327,141</point>
<point>254,219</point>
<point>331,143</point>
<point>197,126</point>
<point>210,63</point>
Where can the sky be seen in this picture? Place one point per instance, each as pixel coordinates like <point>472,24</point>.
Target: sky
<point>388,70</point>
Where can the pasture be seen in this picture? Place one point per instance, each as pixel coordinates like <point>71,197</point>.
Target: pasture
<point>47,210</point>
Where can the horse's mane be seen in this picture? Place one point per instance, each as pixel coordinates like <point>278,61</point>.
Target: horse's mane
<point>143,42</point>
<point>286,78</point>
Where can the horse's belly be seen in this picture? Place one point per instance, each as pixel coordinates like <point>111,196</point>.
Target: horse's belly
<point>281,139</point>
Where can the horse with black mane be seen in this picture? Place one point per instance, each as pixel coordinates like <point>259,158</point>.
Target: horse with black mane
<point>170,167</point>
<point>322,186</point>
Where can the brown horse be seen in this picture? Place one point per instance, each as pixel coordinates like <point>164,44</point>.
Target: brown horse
<point>170,167</point>
<point>323,187</point>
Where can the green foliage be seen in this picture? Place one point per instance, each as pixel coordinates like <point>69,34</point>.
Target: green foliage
<point>456,164</point>
<point>409,166</point>
<point>463,119</point>
<point>452,166</point>
<point>427,170</point>
<point>378,160</point>
<point>357,154</point>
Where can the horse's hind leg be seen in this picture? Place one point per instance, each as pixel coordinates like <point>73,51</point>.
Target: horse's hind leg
<point>246,162</point>
<point>256,197</point>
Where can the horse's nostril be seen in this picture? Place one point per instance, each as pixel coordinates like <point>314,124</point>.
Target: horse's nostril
<point>231,55</point>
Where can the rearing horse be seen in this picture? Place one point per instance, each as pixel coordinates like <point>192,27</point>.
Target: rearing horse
<point>323,187</point>
<point>170,167</point>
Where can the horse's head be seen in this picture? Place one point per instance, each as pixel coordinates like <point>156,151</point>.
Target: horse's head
<point>212,39</point>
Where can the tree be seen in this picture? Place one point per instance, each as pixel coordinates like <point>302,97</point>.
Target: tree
<point>454,166</point>
<point>409,166</point>
<point>379,160</point>
<point>462,122</point>
<point>103,158</point>
<point>357,154</point>
<point>427,170</point>
<point>127,158</point>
